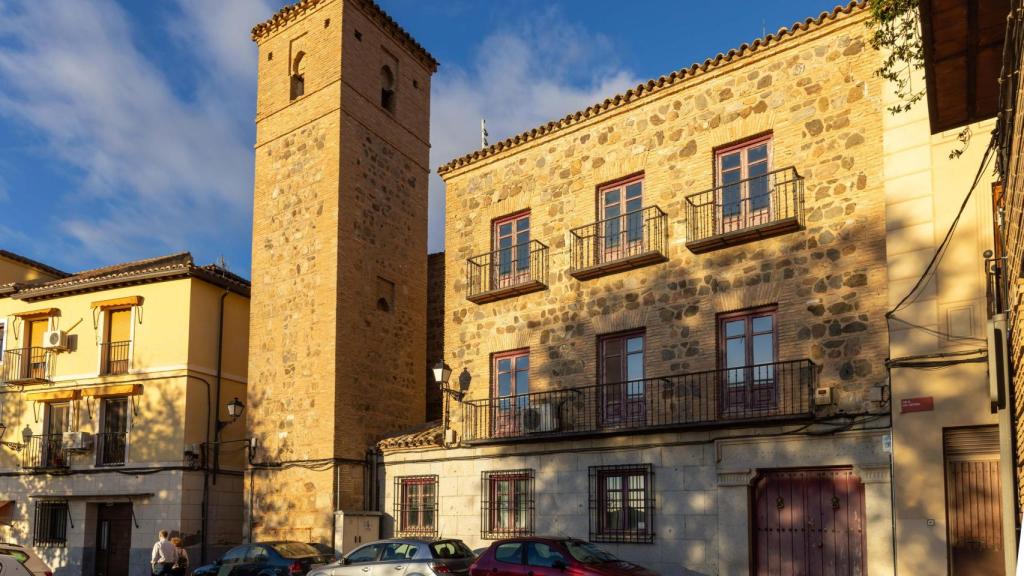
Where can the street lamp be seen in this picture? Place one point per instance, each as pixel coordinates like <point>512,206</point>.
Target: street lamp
<point>235,409</point>
<point>442,374</point>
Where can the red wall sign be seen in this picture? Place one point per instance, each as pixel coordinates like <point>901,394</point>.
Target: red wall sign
<point>922,404</point>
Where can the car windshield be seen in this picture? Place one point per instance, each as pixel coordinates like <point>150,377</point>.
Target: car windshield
<point>450,549</point>
<point>587,553</point>
<point>17,554</point>
<point>295,550</point>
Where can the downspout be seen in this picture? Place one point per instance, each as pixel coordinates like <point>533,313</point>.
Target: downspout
<point>206,479</point>
<point>216,405</point>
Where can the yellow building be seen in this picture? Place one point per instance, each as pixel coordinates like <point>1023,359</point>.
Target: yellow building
<point>108,377</point>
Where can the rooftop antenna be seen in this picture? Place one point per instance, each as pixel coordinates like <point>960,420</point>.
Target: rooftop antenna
<point>764,30</point>
<point>483,133</point>
<point>222,263</point>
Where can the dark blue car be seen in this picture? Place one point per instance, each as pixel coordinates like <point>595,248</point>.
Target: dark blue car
<point>264,559</point>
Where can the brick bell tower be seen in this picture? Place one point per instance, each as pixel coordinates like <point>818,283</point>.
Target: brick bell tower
<point>338,327</point>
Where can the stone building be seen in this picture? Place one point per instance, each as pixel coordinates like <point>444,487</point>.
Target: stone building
<point>110,423</point>
<point>665,319</point>
<point>339,264</point>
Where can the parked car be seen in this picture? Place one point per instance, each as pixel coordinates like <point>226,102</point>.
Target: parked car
<point>328,555</point>
<point>404,557</point>
<point>551,556</point>
<point>27,557</point>
<point>11,567</point>
<point>264,559</point>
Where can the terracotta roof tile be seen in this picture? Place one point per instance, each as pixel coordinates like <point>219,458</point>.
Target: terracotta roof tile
<point>294,11</point>
<point>161,267</point>
<point>654,86</point>
<point>429,435</point>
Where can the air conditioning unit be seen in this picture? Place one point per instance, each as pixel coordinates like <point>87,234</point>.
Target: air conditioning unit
<point>541,418</point>
<point>55,340</point>
<point>76,441</point>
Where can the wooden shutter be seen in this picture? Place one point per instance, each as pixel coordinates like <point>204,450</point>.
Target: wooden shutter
<point>119,328</point>
<point>36,331</point>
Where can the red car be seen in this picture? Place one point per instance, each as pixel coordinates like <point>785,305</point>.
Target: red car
<point>551,556</point>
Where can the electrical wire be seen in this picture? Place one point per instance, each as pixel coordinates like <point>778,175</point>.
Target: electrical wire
<point>931,268</point>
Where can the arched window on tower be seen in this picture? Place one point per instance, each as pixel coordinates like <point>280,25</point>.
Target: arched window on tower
<point>298,75</point>
<point>387,88</point>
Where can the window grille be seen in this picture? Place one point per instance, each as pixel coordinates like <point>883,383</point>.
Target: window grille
<point>506,503</point>
<point>416,506</point>
<point>51,528</point>
<point>622,504</point>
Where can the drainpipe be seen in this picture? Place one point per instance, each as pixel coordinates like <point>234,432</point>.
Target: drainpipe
<point>216,406</point>
<point>205,508</point>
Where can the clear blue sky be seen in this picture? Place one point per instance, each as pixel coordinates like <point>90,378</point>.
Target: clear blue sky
<point>126,128</point>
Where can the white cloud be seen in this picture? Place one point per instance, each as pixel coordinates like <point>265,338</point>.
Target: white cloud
<point>522,77</point>
<point>161,166</point>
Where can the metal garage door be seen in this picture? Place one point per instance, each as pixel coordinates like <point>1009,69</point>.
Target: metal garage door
<point>809,522</point>
<point>972,501</point>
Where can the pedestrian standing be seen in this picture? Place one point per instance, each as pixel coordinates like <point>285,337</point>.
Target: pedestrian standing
<point>181,566</point>
<point>164,555</point>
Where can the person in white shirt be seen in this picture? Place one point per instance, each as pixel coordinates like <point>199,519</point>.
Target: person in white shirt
<point>164,555</point>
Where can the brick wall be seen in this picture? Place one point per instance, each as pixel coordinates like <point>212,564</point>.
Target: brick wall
<point>339,263</point>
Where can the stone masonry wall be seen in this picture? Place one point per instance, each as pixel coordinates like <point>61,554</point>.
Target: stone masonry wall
<point>818,97</point>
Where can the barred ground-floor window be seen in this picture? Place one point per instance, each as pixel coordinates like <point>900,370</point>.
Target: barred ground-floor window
<point>507,498</point>
<point>51,524</point>
<point>622,503</point>
<point>416,505</point>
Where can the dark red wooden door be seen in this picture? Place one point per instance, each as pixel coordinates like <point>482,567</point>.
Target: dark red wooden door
<point>809,522</point>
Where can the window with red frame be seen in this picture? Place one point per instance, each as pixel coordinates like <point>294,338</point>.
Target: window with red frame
<point>621,217</point>
<point>511,385</point>
<point>507,503</point>
<point>416,505</point>
<point>511,249</point>
<point>622,503</point>
<point>743,183</point>
<point>621,373</point>
<point>747,347</point>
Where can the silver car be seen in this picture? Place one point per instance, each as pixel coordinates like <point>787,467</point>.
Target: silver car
<point>403,557</point>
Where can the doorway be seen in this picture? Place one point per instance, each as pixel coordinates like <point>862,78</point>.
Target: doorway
<point>113,539</point>
<point>973,515</point>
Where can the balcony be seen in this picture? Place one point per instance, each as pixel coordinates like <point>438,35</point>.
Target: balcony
<point>45,452</point>
<point>781,391</point>
<point>631,240</point>
<point>759,207</point>
<point>507,272</point>
<point>115,357</point>
<point>111,448</point>
<point>25,366</point>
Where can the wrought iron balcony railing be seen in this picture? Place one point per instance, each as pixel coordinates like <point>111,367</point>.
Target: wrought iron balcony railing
<point>737,212</point>
<point>21,365</point>
<point>111,448</point>
<point>506,272</point>
<point>45,452</point>
<point>115,357</point>
<point>715,398</point>
<point>628,241</point>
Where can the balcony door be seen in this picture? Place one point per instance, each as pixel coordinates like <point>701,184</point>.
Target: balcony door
<point>623,390</point>
<point>744,189</point>
<point>117,341</point>
<point>113,439</point>
<point>35,356</point>
<point>511,389</point>
<point>511,251</point>
<point>748,355</point>
<point>621,227</point>
<point>58,421</point>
